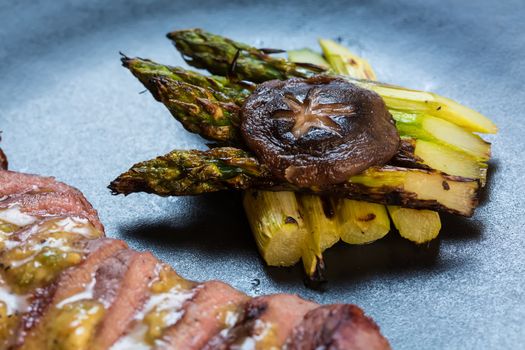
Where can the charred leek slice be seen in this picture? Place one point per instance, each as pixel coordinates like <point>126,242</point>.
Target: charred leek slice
<point>448,160</point>
<point>361,222</point>
<point>277,226</point>
<point>419,226</point>
<point>323,232</point>
<point>307,56</point>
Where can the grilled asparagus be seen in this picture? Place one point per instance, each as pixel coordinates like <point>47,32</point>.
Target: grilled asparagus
<point>182,173</point>
<point>222,56</point>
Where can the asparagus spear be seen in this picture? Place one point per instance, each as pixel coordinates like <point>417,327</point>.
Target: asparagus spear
<point>208,106</point>
<point>223,89</point>
<point>216,54</point>
<point>226,57</point>
<point>195,172</point>
<point>216,118</point>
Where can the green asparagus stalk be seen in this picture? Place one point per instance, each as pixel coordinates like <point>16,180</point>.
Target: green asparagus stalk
<point>199,111</point>
<point>226,57</point>
<point>222,88</point>
<point>208,106</point>
<point>216,118</point>
<point>185,101</point>
<point>194,172</point>
<point>222,56</point>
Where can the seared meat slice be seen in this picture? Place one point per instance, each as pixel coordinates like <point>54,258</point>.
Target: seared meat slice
<point>337,327</point>
<point>112,297</point>
<point>34,256</point>
<point>122,286</point>
<point>205,315</point>
<point>266,323</point>
<point>74,282</point>
<point>47,204</point>
<point>168,294</point>
<point>48,193</point>
<point>19,183</point>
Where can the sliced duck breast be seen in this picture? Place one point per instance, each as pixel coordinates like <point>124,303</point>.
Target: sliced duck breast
<point>122,286</point>
<point>14,184</point>
<point>337,327</point>
<point>266,323</point>
<point>28,208</point>
<point>205,315</point>
<point>19,183</point>
<point>34,256</point>
<point>75,283</point>
<point>165,306</point>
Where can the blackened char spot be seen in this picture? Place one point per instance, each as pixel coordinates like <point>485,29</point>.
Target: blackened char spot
<point>328,208</point>
<point>290,220</point>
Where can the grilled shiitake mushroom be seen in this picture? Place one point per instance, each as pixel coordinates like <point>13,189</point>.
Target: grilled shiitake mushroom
<point>318,131</point>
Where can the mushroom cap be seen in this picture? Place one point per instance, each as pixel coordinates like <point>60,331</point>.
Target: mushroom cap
<point>318,131</point>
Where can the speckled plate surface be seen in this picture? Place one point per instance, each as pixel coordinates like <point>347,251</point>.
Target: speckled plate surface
<point>68,109</point>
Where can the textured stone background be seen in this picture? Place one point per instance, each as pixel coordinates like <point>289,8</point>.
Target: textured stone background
<point>68,109</point>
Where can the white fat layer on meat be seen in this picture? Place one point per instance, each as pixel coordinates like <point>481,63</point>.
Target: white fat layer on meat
<point>170,301</point>
<point>86,293</point>
<point>14,215</point>
<point>15,303</point>
<point>261,329</point>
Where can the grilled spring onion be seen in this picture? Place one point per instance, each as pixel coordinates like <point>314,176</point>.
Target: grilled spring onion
<point>345,62</point>
<point>419,226</point>
<point>429,128</point>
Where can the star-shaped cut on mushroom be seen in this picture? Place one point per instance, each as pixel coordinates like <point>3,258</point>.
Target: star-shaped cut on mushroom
<point>312,114</point>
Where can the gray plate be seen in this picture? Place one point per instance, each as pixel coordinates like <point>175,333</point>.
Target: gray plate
<point>68,109</point>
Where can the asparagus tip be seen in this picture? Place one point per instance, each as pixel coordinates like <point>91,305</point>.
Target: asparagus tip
<point>125,185</point>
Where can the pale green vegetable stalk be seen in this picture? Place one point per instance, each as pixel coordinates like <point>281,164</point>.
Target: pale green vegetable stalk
<point>366,222</point>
